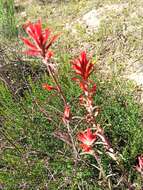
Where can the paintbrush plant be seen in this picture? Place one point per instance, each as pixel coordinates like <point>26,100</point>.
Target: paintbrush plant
<point>93,137</point>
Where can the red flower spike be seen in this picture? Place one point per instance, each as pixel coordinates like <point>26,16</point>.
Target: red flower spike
<point>66,117</point>
<point>87,137</point>
<point>84,87</point>
<point>82,66</point>
<point>86,149</point>
<point>139,166</point>
<point>48,87</point>
<point>39,47</point>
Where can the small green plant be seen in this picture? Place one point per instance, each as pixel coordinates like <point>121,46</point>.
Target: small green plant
<point>1,15</point>
<point>7,20</point>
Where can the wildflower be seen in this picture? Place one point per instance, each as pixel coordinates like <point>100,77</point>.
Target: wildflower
<point>87,137</point>
<point>40,45</point>
<point>82,66</point>
<point>48,87</point>
<point>87,149</point>
<point>139,166</point>
<point>66,116</point>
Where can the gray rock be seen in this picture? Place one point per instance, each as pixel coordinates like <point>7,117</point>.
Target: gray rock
<point>92,19</point>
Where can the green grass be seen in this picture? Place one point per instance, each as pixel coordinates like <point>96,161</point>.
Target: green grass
<point>7,19</point>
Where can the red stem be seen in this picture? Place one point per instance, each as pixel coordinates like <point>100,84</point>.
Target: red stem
<point>56,82</point>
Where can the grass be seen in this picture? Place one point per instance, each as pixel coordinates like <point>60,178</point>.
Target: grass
<point>31,157</point>
<point>7,19</point>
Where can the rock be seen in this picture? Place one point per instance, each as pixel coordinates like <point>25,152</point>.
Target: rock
<point>92,19</point>
<point>137,78</point>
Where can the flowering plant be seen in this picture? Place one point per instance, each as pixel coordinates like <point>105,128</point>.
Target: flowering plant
<point>83,67</point>
<point>40,45</point>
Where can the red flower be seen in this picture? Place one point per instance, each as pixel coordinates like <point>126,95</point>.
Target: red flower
<point>66,116</point>
<point>87,138</point>
<point>86,148</point>
<point>82,66</point>
<point>139,166</point>
<point>48,87</point>
<point>39,47</point>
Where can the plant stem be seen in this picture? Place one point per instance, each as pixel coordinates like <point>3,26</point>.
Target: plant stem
<point>55,80</point>
<point>72,141</point>
<point>65,103</point>
<point>99,163</point>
